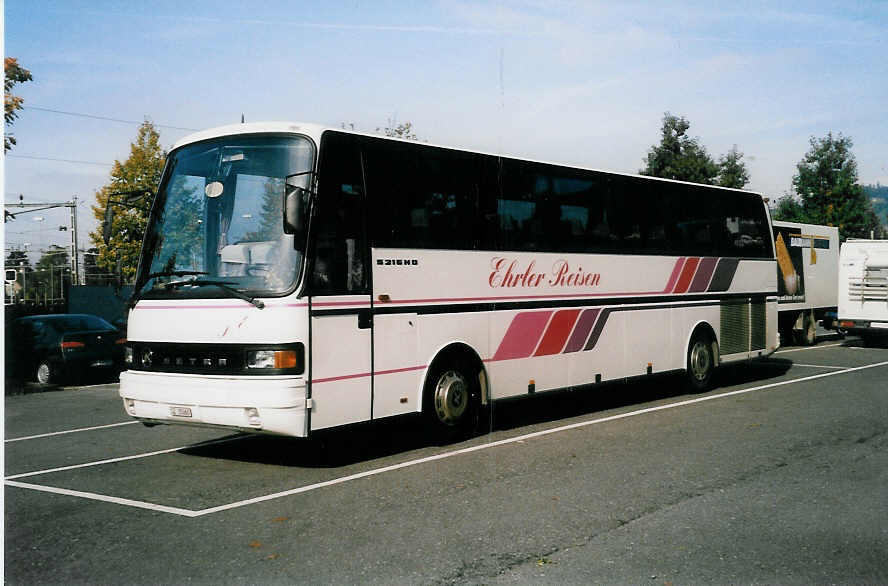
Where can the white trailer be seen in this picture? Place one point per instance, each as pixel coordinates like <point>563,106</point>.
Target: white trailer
<point>807,270</point>
<point>863,288</point>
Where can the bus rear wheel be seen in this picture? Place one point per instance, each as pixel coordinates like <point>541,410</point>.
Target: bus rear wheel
<point>452,401</point>
<point>701,361</point>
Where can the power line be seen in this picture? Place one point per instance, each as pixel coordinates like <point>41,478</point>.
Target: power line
<point>61,160</point>
<point>94,117</point>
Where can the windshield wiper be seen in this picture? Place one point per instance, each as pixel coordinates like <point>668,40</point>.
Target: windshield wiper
<point>176,274</point>
<point>224,285</point>
<point>134,298</point>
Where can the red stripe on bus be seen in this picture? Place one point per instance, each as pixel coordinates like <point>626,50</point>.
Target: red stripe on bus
<point>676,270</point>
<point>366,374</point>
<point>687,274</point>
<point>522,336</point>
<point>703,276</point>
<point>581,332</point>
<point>557,332</point>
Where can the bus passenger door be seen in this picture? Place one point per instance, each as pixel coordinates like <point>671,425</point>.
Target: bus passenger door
<point>340,360</point>
<point>340,366</point>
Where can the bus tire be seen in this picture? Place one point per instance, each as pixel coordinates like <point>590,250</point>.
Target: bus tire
<point>701,361</point>
<point>452,399</point>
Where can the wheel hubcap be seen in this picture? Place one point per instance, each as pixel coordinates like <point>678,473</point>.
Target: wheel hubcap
<point>700,361</point>
<point>451,397</point>
<point>43,373</point>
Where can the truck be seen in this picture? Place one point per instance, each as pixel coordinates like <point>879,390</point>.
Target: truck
<point>863,289</point>
<point>807,277</point>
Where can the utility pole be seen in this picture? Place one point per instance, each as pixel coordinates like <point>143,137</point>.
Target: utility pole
<point>36,207</point>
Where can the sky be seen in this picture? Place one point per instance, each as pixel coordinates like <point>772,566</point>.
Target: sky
<point>578,82</point>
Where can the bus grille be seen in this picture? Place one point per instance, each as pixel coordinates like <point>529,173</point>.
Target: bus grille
<point>734,328</point>
<point>759,326</point>
<point>873,286</point>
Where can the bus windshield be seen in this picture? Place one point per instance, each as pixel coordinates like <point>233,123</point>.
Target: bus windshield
<point>218,219</point>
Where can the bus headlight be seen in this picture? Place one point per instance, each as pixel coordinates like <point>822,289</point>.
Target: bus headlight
<point>128,354</point>
<point>276,359</point>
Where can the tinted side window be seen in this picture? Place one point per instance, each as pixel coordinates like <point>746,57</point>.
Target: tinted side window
<point>339,253</point>
<point>424,197</point>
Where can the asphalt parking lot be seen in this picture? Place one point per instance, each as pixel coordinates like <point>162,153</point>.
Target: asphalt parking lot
<point>778,475</point>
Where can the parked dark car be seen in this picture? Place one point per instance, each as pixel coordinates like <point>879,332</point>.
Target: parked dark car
<point>62,348</point>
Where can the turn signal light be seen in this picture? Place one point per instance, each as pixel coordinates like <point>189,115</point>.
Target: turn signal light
<point>277,359</point>
<point>72,345</point>
<point>286,359</point>
<point>846,324</point>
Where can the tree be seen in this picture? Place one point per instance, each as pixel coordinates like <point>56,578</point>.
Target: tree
<point>140,172</point>
<point>679,156</point>
<point>826,186</point>
<point>404,131</point>
<point>48,279</point>
<point>92,273</point>
<point>17,259</point>
<point>732,170</point>
<point>14,73</point>
<point>789,209</point>
<point>878,195</point>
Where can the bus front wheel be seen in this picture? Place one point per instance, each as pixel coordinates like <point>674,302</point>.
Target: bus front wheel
<point>452,401</point>
<point>701,361</point>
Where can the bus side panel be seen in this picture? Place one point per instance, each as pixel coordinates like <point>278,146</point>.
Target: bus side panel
<point>648,341</point>
<point>397,367</point>
<point>605,356</point>
<point>340,370</point>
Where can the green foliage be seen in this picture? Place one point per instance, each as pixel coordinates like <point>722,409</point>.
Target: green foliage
<point>679,156</point>
<point>683,158</point>
<point>141,171</point>
<point>403,131</point>
<point>56,256</point>
<point>18,259</point>
<point>789,209</point>
<point>826,184</point>
<point>13,74</point>
<point>878,196</point>
<point>732,170</point>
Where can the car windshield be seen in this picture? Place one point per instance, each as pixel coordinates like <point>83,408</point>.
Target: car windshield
<point>77,323</point>
<point>218,218</point>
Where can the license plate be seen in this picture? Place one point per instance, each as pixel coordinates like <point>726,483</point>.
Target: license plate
<point>877,324</point>
<point>180,411</point>
<point>102,363</point>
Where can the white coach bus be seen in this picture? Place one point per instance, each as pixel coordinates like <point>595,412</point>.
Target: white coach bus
<point>295,278</point>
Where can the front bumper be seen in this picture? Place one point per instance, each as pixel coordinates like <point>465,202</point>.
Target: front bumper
<point>265,404</point>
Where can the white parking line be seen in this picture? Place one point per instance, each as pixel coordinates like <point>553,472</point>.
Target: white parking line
<point>819,366</point>
<point>104,498</point>
<point>808,348</point>
<point>30,437</point>
<point>407,464</point>
<point>125,458</point>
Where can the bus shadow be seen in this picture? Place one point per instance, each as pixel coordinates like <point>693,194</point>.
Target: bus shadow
<point>547,407</point>
<point>324,449</point>
<point>381,439</point>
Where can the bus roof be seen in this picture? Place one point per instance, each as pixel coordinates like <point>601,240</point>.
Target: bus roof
<point>315,131</point>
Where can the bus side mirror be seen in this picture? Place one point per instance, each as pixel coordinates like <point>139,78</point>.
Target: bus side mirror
<point>106,223</point>
<point>295,203</point>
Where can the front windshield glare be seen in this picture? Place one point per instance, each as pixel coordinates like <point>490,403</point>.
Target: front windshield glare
<point>219,216</point>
